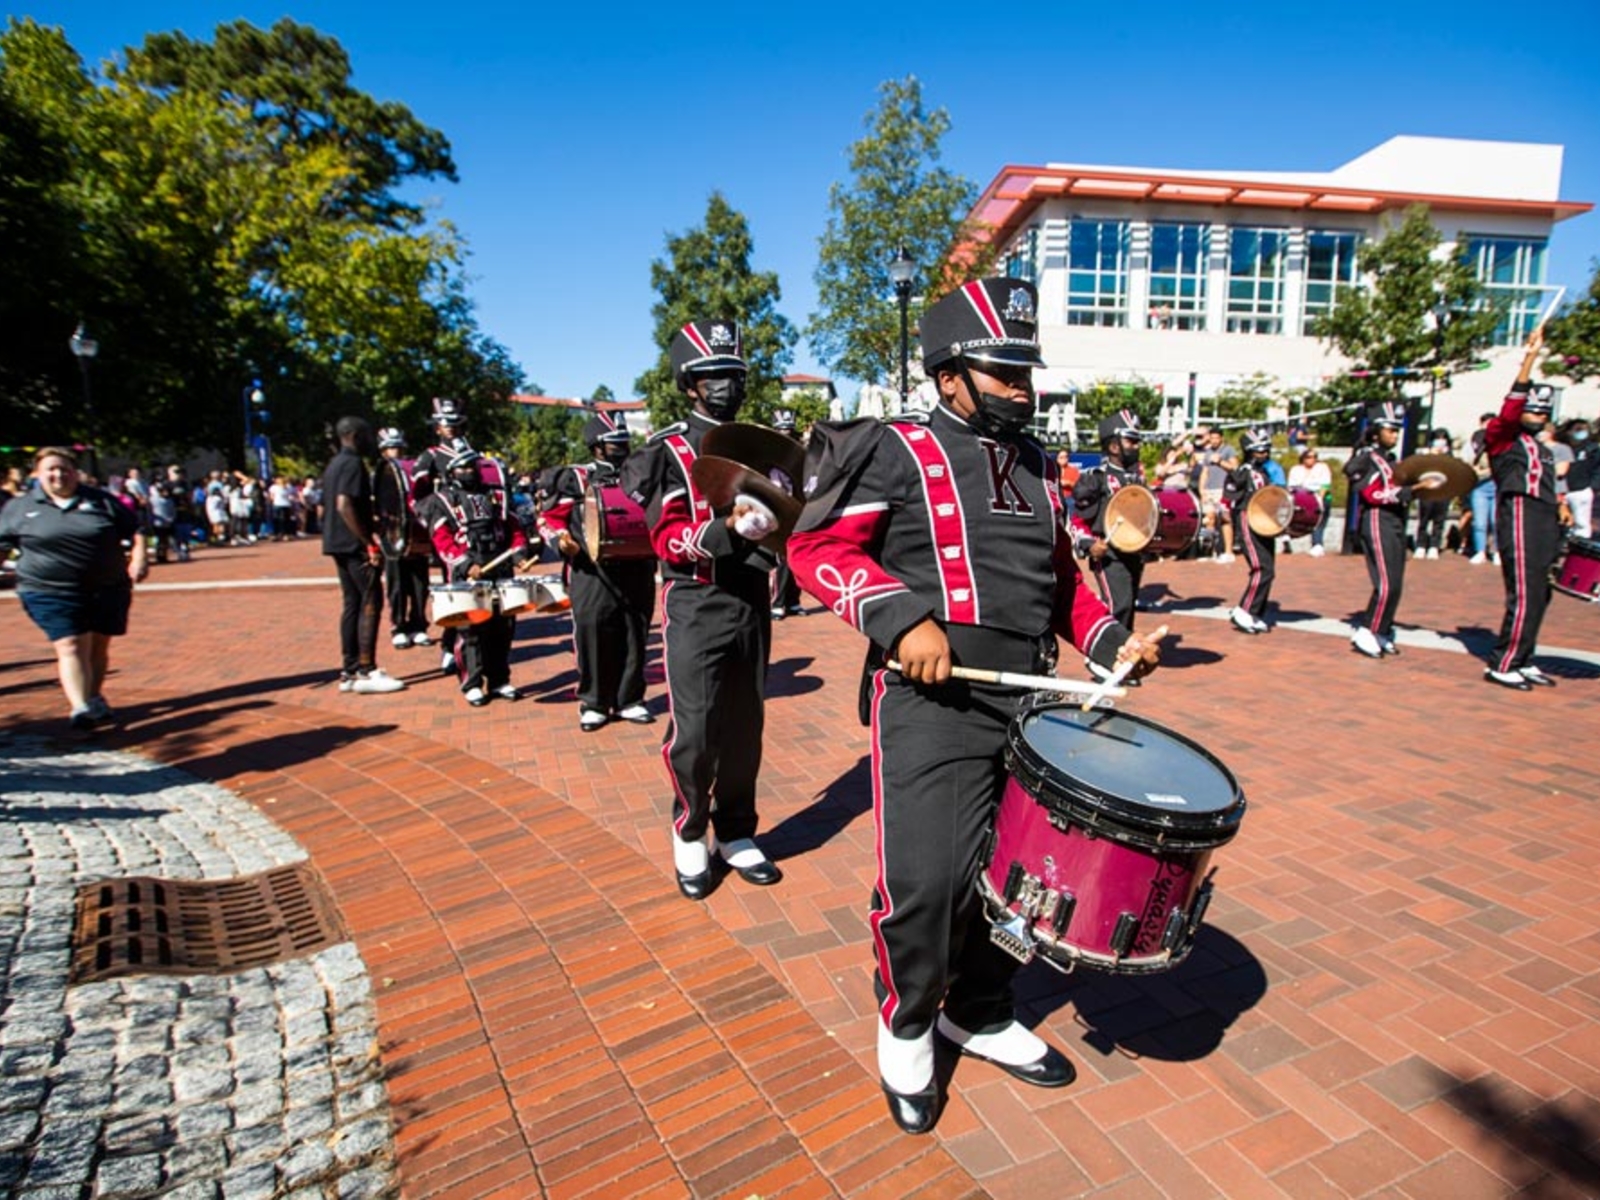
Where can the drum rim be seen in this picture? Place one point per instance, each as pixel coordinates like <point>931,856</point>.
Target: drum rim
<point>1103,814</point>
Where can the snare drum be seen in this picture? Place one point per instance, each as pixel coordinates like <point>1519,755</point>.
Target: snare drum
<point>517,595</point>
<point>400,532</point>
<point>1100,845</point>
<point>458,604</point>
<point>550,594</point>
<point>1178,523</point>
<point>1307,512</point>
<point>1577,572</point>
<point>614,525</point>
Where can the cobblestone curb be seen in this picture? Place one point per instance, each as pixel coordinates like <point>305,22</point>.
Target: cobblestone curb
<point>266,1083</point>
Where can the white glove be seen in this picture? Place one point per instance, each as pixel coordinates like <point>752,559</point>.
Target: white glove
<point>756,522</point>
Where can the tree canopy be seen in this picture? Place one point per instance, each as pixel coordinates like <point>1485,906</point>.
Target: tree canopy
<point>897,197</point>
<point>707,274</point>
<point>216,213</point>
<point>1572,338</point>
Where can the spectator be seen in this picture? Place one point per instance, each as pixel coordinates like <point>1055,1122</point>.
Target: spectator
<point>1175,471</point>
<point>282,500</point>
<point>216,503</point>
<point>348,537</point>
<point>311,504</point>
<point>1312,475</point>
<point>1482,498</point>
<point>73,577</point>
<point>1433,515</point>
<point>1216,462</point>
<point>1581,475</point>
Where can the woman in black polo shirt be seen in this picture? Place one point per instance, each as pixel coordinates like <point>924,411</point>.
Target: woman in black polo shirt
<point>74,577</point>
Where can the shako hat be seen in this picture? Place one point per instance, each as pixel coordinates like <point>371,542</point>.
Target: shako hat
<point>390,438</point>
<point>464,457</point>
<point>1120,424</point>
<point>1388,415</point>
<point>602,428</point>
<point>987,320</point>
<point>706,346</point>
<point>449,413</point>
<point>1254,441</point>
<point>783,420</point>
<point>1541,400</point>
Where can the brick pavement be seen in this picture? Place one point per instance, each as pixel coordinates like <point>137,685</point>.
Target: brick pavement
<point>1395,995</point>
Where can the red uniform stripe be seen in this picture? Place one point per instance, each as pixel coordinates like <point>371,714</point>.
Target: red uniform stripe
<point>984,307</point>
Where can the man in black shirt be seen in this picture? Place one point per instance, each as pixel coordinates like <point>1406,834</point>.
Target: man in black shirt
<point>348,537</point>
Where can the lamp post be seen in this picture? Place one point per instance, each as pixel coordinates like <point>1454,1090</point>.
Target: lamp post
<point>1441,312</point>
<point>901,268</point>
<point>84,348</point>
<point>252,397</point>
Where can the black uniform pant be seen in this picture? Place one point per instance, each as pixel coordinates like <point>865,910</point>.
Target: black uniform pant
<point>717,643</point>
<point>483,652</point>
<point>1431,518</point>
<point>358,618</point>
<point>611,610</point>
<point>937,775</point>
<point>785,588</point>
<point>406,580</point>
<point>1528,534</point>
<point>1117,577</point>
<point>1262,556</point>
<point>1383,542</point>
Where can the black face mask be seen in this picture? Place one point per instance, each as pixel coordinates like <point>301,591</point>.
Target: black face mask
<point>468,480</point>
<point>1130,455</point>
<point>722,397</point>
<point>615,455</point>
<point>997,416</point>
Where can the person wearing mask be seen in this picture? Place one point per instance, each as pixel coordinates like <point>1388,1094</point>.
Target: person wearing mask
<point>1384,501</point>
<point>940,538</point>
<point>1581,475</point>
<point>785,591</point>
<point>1115,573</point>
<point>1244,481</point>
<point>405,574</point>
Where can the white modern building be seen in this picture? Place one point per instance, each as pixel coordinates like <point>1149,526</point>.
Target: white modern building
<point>1190,280</point>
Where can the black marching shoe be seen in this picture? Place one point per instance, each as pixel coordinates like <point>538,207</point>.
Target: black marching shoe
<point>1052,1069</point>
<point>1510,679</point>
<point>691,862</point>
<point>914,1113</point>
<point>763,874</point>
<point>695,887</point>
<point>1532,674</point>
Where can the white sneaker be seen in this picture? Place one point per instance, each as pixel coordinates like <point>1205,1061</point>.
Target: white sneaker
<point>421,639</point>
<point>447,662</point>
<point>347,683</point>
<point>1224,558</point>
<point>400,641</point>
<point>1243,621</point>
<point>375,682</point>
<point>1366,642</point>
<point>1495,559</point>
<point>1261,626</point>
<point>591,719</point>
<point>1317,552</point>
<point>476,697</point>
<point>638,714</point>
<point>506,691</point>
<point>1479,557</point>
<point>1433,552</point>
<point>1419,552</point>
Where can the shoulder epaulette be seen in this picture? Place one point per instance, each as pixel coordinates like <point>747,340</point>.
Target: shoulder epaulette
<point>909,418</point>
<point>675,427</point>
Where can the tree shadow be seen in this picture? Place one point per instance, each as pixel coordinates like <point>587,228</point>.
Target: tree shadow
<point>62,814</point>
<point>784,678</point>
<point>1177,603</point>
<point>833,809</point>
<point>25,663</point>
<point>1560,1136</point>
<point>1176,655</point>
<point>1478,640</point>
<point>273,754</point>
<point>1175,1016</point>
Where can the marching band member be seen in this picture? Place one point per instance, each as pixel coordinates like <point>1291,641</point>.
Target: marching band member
<point>785,591</point>
<point>716,621</point>
<point>1261,553</point>
<point>611,602</point>
<point>470,528</point>
<point>1116,573</point>
<point>405,575</point>
<point>934,536</point>
<point>449,423</point>
<point>1528,521</point>
<point>1384,501</point>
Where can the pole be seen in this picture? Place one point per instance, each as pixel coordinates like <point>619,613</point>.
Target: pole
<point>904,293</point>
<point>94,425</point>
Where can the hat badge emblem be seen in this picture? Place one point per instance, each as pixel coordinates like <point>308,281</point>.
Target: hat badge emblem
<point>720,335</point>
<point>1019,307</point>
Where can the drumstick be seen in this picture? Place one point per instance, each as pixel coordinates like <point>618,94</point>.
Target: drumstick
<point>1109,687</point>
<point>1037,683</point>
<point>497,560</point>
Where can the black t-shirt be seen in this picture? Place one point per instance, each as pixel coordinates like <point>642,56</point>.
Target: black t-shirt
<point>346,476</point>
<point>71,549</point>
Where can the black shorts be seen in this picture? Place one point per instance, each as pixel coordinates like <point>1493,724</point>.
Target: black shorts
<point>67,614</point>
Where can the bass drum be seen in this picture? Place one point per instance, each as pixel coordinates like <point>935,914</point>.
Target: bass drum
<point>614,525</point>
<point>400,533</point>
<point>1307,512</point>
<point>1577,572</point>
<point>1269,511</point>
<point>1131,517</point>
<point>1178,524</point>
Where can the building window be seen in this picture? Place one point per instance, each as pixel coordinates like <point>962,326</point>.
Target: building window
<point>1097,273</point>
<point>1511,270</point>
<point>1023,260</point>
<point>1178,275</point>
<point>1256,261</point>
<point>1330,272</point>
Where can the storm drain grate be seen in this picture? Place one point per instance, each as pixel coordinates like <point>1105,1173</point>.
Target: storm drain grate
<point>150,926</point>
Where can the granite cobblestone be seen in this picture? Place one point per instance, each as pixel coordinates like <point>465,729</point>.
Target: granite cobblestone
<point>261,1085</point>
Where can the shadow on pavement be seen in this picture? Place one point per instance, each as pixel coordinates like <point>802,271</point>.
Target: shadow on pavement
<point>1176,655</point>
<point>838,804</point>
<point>23,664</point>
<point>1558,1135</point>
<point>784,678</point>
<point>62,814</point>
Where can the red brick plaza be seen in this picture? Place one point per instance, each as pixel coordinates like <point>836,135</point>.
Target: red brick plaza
<point>1396,993</point>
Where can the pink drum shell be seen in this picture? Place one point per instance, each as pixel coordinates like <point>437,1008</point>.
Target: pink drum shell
<point>614,525</point>
<point>1307,512</point>
<point>1577,574</point>
<point>1178,523</point>
<point>1107,878</point>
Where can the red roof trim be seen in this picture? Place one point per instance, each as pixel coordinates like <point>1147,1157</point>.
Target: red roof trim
<point>567,402</point>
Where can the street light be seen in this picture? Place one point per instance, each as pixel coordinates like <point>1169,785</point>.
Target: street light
<point>1441,312</point>
<point>901,268</point>
<point>84,348</point>
<point>253,397</point>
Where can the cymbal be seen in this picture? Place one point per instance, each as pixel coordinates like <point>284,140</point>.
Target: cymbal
<point>1436,477</point>
<point>722,480</point>
<point>759,448</point>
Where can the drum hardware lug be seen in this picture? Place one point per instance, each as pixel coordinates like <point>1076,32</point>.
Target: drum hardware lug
<point>1014,937</point>
<point>1014,878</point>
<point>1122,936</point>
<point>1177,923</point>
<point>1202,901</point>
<point>1062,917</point>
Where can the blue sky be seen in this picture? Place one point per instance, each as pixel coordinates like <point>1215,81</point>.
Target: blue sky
<point>585,134</point>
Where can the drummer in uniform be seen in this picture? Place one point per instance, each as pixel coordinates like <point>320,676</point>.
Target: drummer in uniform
<point>611,602</point>
<point>1261,553</point>
<point>716,620</point>
<point>449,425</point>
<point>935,536</point>
<point>405,575</point>
<point>785,591</point>
<point>1116,573</point>
<point>470,529</point>
<point>1528,520</point>
<point>1384,504</point>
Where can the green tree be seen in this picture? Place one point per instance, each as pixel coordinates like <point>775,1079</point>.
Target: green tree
<point>1572,339</point>
<point>707,274</point>
<point>898,197</point>
<point>1393,323</point>
<point>1106,396</point>
<point>1241,399</point>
